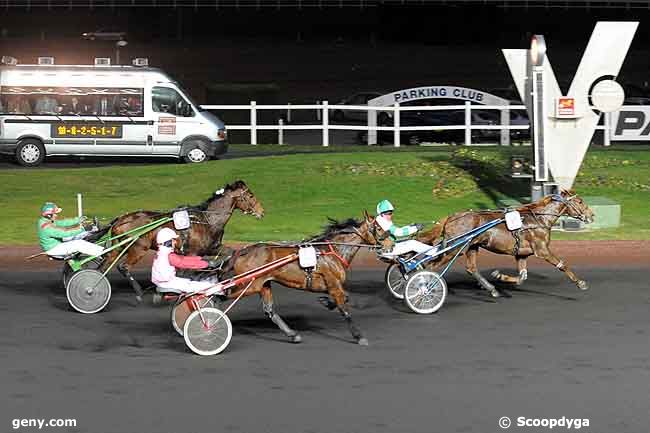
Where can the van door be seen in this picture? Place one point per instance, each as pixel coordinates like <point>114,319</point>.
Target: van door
<point>174,119</point>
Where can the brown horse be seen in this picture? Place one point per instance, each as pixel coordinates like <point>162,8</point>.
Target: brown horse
<point>336,247</point>
<point>533,238</point>
<point>204,236</point>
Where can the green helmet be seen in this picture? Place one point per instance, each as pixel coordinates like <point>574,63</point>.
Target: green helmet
<point>384,206</point>
<point>49,208</point>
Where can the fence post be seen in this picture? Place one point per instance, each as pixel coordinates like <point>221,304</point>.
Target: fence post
<point>289,112</point>
<point>326,124</point>
<point>280,131</point>
<point>318,111</point>
<point>80,210</point>
<point>505,120</point>
<point>608,124</point>
<point>396,122</point>
<point>468,123</point>
<point>253,123</point>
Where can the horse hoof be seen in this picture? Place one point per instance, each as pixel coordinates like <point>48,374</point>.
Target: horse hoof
<point>362,341</point>
<point>296,339</point>
<point>139,299</point>
<point>495,293</point>
<point>582,285</point>
<point>496,275</point>
<point>327,302</point>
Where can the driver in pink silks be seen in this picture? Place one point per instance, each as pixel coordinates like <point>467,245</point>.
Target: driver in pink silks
<point>163,271</point>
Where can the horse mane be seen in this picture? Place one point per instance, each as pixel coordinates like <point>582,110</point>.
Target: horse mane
<point>203,206</point>
<point>334,227</point>
<point>235,185</point>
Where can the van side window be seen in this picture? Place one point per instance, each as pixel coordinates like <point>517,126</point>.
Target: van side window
<point>67,101</point>
<point>166,100</point>
<point>14,104</point>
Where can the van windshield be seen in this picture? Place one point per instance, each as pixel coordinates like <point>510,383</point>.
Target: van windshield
<point>187,96</point>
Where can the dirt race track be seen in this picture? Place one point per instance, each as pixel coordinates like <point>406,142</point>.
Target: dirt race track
<point>549,351</point>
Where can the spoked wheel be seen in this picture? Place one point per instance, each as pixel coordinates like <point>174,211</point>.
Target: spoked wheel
<point>88,291</point>
<point>207,331</point>
<point>425,292</point>
<point>68,272</point>
<point>395,280</point>
<point>182,310</point>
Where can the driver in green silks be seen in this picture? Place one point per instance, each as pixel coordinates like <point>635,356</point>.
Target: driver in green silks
<point>385,220</point>
<point>63,237</point>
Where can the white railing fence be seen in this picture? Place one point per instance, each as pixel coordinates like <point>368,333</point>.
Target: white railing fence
<point>322,110</point>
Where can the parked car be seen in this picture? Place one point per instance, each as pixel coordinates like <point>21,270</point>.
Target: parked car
<point>414,118</point>
<point>339,115</point>
<point>489,118</point>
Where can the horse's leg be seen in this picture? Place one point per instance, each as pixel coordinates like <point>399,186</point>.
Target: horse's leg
<point>337,293</point>
<point>133,256</point>
<point>519,279</point>
<point>545,253</point>
<point>472,269</point>
<point>269,310</point>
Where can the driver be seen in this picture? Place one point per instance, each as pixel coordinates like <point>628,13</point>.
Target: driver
<point>63,237</point>
<point>385,220</point>
<point>163,271</point>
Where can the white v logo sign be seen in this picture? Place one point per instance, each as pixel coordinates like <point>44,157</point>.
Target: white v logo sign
<point>567,140</point>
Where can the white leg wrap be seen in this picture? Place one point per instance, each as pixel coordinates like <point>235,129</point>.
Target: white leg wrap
<point>523,275</point>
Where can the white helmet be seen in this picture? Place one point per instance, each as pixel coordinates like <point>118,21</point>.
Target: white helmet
<point>165,234</point>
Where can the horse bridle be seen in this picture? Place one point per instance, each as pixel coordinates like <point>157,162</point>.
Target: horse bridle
<point>567,202</point>
<point>245,199</point>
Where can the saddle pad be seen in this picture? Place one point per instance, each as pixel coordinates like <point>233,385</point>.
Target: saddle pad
<point>513,220</point>
<point>181,220</point>
<point>307,257</point>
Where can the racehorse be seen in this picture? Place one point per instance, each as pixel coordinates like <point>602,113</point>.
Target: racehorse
<point>203,237</point>
<point>533,238</point>
<point>336,247</point>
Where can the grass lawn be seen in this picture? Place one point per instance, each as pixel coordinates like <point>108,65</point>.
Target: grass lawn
<point>300,190</point>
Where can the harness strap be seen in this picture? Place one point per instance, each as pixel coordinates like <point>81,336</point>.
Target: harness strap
<point>515,249</point>
<point>333,252</point>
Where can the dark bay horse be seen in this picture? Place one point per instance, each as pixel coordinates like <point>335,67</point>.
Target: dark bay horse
<point>202,238</point>
<point>534,238</point>
<point>336,248</point>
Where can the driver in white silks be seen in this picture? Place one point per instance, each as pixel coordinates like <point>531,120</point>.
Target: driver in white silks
<point>163,271</point>
<point>385,220</point>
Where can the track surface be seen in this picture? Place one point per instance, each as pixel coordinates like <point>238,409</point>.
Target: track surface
<point>550,351</point>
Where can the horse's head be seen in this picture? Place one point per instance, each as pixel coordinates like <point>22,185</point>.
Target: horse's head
<point>244,199</point>
<point>575,206</point>
<point>373,233</point>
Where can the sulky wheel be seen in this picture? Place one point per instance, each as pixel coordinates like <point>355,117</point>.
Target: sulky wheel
<point>182,310</point>
<point>425,292</point>
<point>207,331</point>
<point>395,280</point>
<point>88,291</point>
<point>68,272</point>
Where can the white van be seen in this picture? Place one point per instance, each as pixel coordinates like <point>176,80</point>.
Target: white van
<point>102,110</point>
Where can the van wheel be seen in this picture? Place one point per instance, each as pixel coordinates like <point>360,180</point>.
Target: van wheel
<point>195,155</point>
<point>30,152</point>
